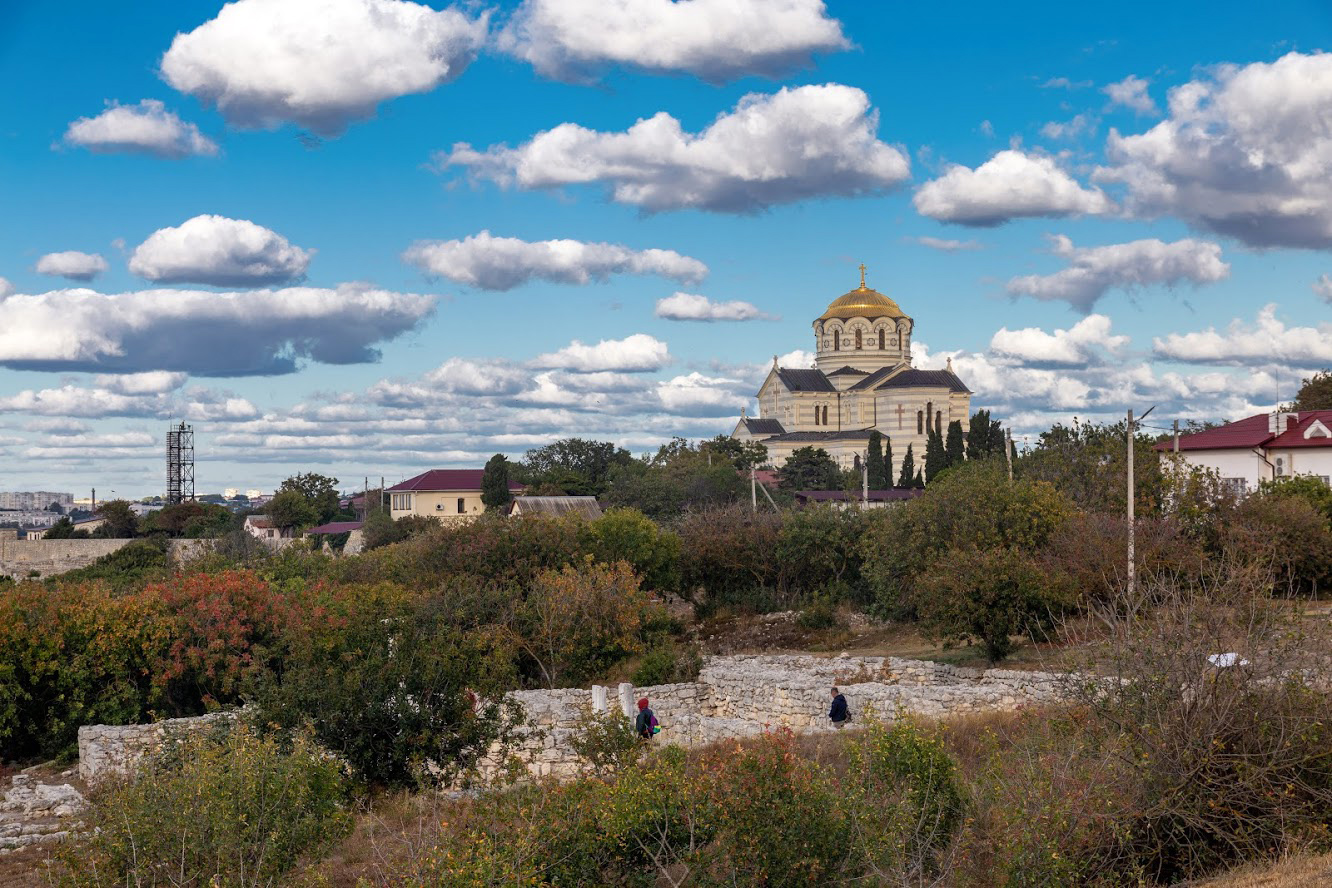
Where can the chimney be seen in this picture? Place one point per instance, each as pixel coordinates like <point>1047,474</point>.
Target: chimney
<point>1277,423</point>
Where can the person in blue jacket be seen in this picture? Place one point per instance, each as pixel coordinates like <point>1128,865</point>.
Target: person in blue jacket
<point>838,714</point>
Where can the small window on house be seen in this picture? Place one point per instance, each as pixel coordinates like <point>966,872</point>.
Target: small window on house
<point>461,506</point>
<point>1235,486</point>
<point>859,343</point>
<point>837,341</point>
<point>882,337</point>
<point>1327,481</point>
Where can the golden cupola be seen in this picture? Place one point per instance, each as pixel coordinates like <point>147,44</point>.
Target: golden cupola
<point>862,331</point>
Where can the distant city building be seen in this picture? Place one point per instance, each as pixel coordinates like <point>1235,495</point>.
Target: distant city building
<point>254,494</point>
<point>448,495</point>
<point>862,382</point>
<point>29,517</point>
<point>36,500</point>
<point>231,492</point>
<point>1266,447</point>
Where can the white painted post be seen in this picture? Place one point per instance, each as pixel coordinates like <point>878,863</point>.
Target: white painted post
<point>627,702</point>
<point>598,698</point>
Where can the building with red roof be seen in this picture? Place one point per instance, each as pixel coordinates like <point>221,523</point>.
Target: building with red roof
<point>1261,448</point>
<point>443,494</point>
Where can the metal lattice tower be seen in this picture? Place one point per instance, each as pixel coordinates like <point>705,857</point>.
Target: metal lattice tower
<point>180,464</point>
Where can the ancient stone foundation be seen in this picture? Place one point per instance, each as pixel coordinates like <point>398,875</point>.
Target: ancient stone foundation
<point>37,813</point>
<point>734,697</point>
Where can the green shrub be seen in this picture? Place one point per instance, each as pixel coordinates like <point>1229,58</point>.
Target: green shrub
<point>389,683</point>
<point>125,568</point>
<point>988,596</point>
<point>234,810</point>
<point>629,535</point>
<point>906,794</point>
<point>606,741</point>
<point>668,663</point>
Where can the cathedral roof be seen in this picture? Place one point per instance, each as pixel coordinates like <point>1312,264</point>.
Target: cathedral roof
<point>762,426</point>
<point>814,437</point>
<point>805,380</point>
<point>862,302</point>
<point>935,378</point>
<point>848,371</point>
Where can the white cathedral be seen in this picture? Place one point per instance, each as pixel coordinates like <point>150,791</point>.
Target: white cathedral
<point>862,380</point>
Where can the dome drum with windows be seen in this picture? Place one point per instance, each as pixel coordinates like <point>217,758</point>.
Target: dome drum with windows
<point>862,381</point>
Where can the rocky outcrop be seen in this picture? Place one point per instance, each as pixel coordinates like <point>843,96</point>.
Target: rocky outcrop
<point>36,813</point>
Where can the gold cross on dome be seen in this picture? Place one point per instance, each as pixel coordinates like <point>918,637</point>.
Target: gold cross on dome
<point>862,275</point>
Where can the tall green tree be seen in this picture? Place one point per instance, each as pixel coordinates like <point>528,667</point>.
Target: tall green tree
<point>289,508</point>
<point>887,462</point>
<point>810,468</point>
<point>908,476</point>
<point>119,521</point>
<point>936,458</point>
<point>320,491</point>
<point>953,448</point>
<point>744,455</point>
<point>495,491</point>
<point>877,479</point>
<point>1315,393</point>
<point>573,466</point>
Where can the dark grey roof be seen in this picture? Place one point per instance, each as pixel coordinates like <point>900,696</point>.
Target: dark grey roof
<point>938,378</point>
<point>848,370</point>
<point>814,437</point>
<point>805,380</point>
<point>763,426</point>
<point>873,379</point>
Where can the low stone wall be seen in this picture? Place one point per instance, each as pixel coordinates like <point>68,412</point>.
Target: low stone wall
<point>734,697</point>
<point>117,749</point>
<point>33,812</point>
<point>43,558</point>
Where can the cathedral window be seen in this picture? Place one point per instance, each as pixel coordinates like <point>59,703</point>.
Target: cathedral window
<point>825,414</point>
<point>837,341</point>
<point>882,336</point>
<point>920,422</point>
<point>938,421</point>
<point>859,343</point>
<point>929,414</point>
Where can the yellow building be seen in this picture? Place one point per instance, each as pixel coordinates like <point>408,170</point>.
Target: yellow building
<point>444,494</point>
<point>862,381</point>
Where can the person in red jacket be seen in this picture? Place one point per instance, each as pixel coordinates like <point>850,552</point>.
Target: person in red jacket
<point>646,723</point>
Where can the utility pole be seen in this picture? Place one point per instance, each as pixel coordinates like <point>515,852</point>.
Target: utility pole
<point>1008,452</point>
<point>1177,437</point>
<point>864,479</point>
<point>753,489</point>
<point>1132,571</point>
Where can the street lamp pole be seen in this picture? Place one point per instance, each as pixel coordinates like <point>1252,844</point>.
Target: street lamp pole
<point>1132,571</point>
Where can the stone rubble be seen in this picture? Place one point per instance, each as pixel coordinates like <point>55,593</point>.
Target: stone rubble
<point>36,813</point>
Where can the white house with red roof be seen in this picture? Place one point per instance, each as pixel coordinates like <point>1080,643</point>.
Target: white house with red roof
<point>443,494</point>
<point>1262,448</point>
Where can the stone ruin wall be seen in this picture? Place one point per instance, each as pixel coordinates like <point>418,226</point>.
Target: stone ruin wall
<point>734,697</point>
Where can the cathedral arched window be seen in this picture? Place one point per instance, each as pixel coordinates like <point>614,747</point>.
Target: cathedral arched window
<point>881,338</point>
<point>837,341</point>
<point>929,414</point>
<point>859,343</point>
<point>920,422</point>
<point>938,421</point>
<point>825,414</point>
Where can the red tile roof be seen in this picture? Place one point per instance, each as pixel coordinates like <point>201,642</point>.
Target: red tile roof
<point>448,479</point>
<point>1253,432</point>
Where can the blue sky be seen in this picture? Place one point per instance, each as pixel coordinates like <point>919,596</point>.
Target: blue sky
<point>208,214</point>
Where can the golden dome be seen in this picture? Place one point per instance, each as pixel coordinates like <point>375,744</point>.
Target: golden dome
<point>862,302</point>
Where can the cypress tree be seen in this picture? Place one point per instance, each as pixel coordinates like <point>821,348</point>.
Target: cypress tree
<point>919,482</point>
<point>887,462</point>
<point>907,478</point>
<point>877,479</point>
<point>495,483</point>
<point>978,435</point>
<point>996,445</point>
<point>953,449</point>
<point>936,459</point>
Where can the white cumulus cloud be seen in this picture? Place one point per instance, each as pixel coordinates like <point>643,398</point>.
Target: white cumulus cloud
<point>947,245</point>
<point>1079,345</point>
<point>145,128</point>
<point>1322,286</point>
<point>700,395</point>
<point>1246,152</point>
<point>801,142</point>
<point>693,307</point>
<point>152,382</point>
<point>322,64</point>
<point>1093,271</point>
<point>1131,92</point>
<point>219,251</point>
<point>5,288</point>
<point>1010,185</point>
<point>502,263</point>
<point>1264,341</point>
<point>638,353</point>
<point>72,264</point>
<point>716,40</point>
<point>204,333</point>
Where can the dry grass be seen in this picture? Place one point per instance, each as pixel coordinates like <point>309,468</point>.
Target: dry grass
<point>1301,871</point>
